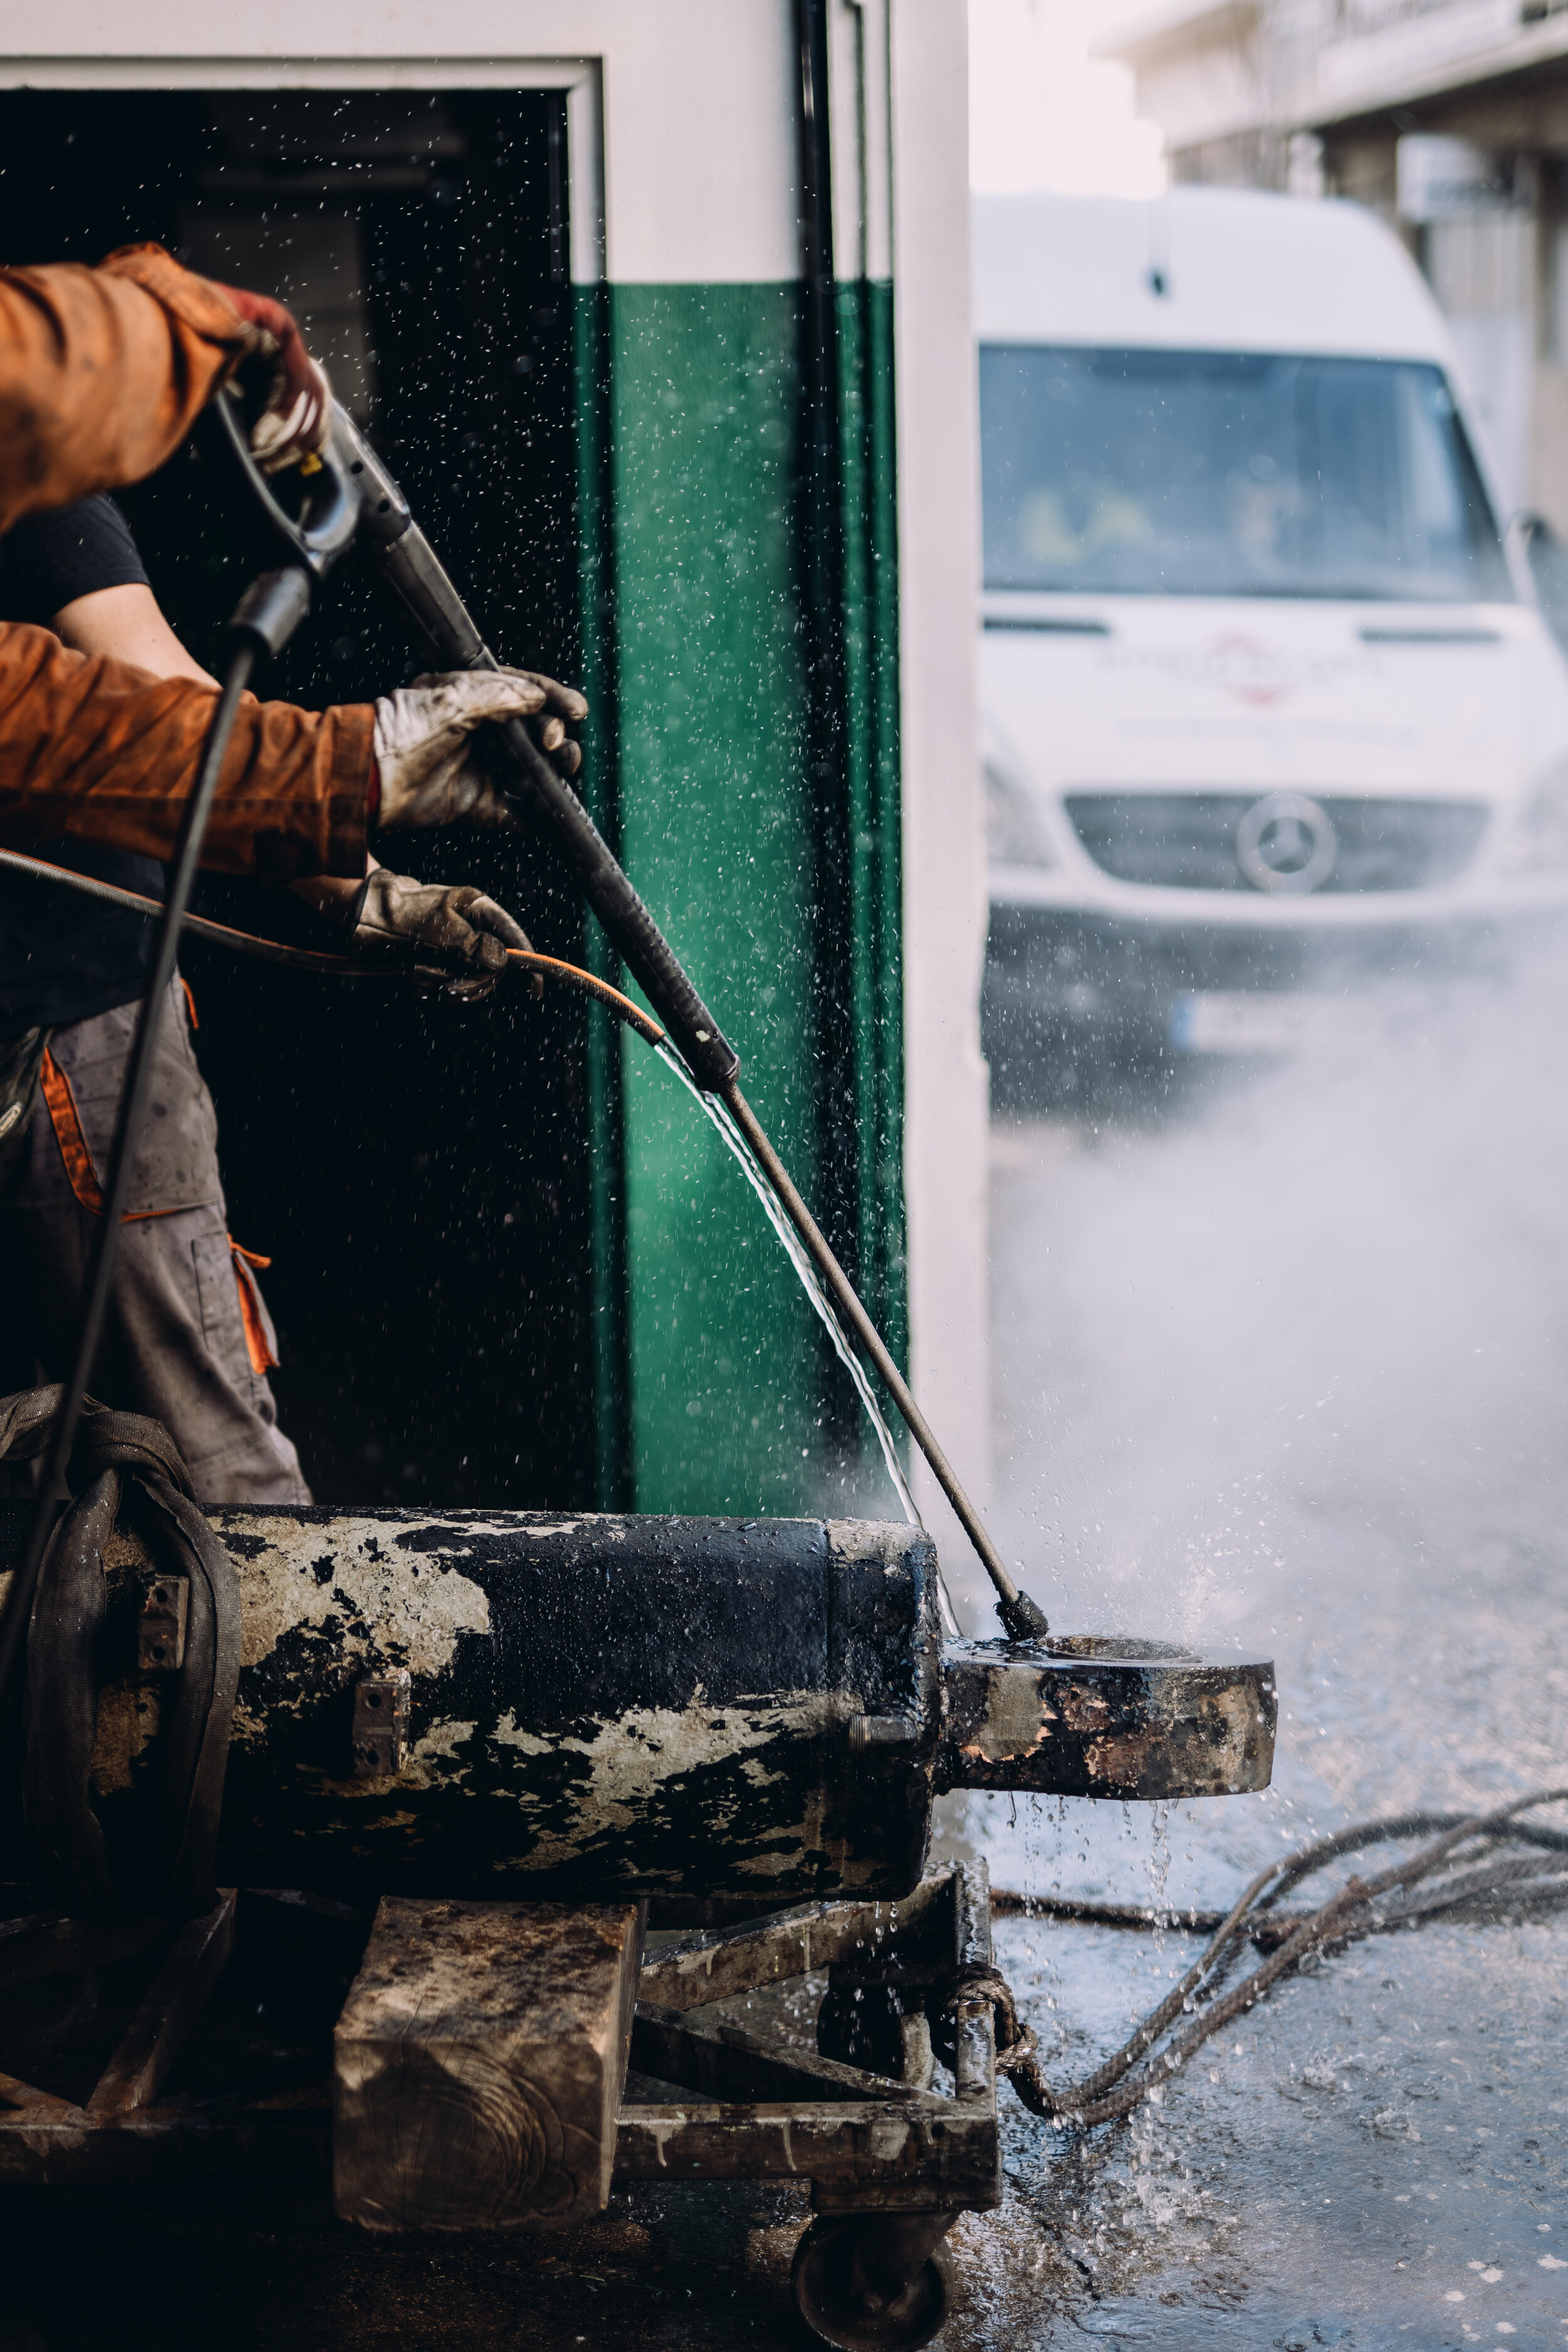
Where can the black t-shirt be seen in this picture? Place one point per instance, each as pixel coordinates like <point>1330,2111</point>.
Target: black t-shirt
<point>64,957</point>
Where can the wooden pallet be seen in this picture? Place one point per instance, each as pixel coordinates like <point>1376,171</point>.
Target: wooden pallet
<point>891,2157</point>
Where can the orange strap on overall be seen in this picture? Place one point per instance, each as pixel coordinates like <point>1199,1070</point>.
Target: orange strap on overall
<point>262,1360</point>
<point>69,1135</point>
<point>66,1119</point>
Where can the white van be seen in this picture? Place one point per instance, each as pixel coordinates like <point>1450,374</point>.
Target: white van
<point>1269,705</point>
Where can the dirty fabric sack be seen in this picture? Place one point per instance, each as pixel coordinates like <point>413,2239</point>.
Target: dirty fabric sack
<point>122,1460</point>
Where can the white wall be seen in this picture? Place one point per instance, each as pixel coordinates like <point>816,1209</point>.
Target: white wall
<point>944,843</point>
<point>699,148</point>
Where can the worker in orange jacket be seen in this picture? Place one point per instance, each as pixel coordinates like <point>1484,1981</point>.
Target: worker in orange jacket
<point>103,717</point>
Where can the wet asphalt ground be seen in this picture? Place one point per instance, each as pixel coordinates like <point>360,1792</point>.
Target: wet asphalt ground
<point>1280,1367</point>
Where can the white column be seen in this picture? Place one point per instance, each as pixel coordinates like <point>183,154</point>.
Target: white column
<point>945,863</point>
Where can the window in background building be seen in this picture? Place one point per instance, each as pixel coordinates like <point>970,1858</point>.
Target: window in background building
<point>1558,335</point>
<point>1474,207</point>
<point>1482,273</point>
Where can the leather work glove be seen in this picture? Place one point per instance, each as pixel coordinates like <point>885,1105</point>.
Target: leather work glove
<point>431,767</point>
<point>297,397</point>
<point>456,939</point>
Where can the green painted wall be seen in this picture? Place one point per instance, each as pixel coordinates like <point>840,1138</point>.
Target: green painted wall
<point>713,1382</point>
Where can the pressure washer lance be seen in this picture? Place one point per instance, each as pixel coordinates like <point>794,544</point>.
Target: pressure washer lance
<point>352,505</point>
<point>396,554</point>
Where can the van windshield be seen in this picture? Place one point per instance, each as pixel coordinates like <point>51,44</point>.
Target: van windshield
<point>1229,474</point>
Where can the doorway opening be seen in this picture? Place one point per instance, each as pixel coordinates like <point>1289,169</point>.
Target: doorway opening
<point>417,1172</point>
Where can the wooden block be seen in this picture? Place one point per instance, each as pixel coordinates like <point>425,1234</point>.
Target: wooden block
<point>924,2153</point>
<point>478,2063</point>
<point>23,2099</point>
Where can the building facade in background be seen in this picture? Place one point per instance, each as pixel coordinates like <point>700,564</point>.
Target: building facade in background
<point>1450,118</point>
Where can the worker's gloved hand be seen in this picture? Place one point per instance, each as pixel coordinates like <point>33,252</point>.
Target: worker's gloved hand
<point>456,939</point>
<point>297,397</point>
<point>547,725</point>
<point>432,768</point>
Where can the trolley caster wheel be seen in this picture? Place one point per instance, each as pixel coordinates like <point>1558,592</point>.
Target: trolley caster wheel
<point>873,2282</point>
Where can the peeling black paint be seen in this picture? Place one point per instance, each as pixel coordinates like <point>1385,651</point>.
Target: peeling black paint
<point>652,1704</point>
<point>1106,1725</point>
<point>639,1704</point>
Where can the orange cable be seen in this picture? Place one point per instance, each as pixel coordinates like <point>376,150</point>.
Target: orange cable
<point>310,960</point>
<point>592,985</point>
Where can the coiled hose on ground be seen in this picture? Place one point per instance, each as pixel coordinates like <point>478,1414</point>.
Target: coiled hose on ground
<point>1472,1869</point>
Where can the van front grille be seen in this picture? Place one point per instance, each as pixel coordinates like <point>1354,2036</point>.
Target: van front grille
<point>1187,841</point>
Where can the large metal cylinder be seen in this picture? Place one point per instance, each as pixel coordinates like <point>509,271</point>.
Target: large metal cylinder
<point>753,1708</point>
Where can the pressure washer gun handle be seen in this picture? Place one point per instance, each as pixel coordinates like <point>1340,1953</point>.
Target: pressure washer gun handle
<point>320,533</point>
<point>396,554</point>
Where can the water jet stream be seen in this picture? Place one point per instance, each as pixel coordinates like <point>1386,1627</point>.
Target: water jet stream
<point>718,1115</point>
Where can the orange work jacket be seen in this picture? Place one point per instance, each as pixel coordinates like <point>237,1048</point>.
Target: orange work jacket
<point>102,372</point>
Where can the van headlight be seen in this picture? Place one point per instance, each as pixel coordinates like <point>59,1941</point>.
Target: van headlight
<point>1014,833</point>
<point>1538,838</point>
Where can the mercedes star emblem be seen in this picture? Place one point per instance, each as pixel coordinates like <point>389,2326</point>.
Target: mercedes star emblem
<point>1286,842</point>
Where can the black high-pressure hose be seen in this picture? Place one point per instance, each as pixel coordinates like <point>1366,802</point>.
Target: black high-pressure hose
<point>265,619</point>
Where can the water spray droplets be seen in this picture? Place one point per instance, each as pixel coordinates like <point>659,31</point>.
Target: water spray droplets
<point>715,1112</point>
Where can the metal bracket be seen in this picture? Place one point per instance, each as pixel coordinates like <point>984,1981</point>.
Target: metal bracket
<point>161,1629</point>
<point>381,1725</point>
<point>882,1731</point>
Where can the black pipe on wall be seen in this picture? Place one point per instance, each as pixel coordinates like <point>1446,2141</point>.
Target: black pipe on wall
<point>820,496</point>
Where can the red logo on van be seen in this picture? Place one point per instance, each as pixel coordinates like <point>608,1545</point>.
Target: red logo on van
<point>1254,672</point>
